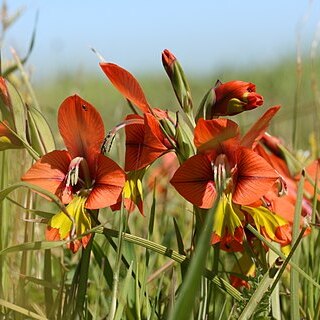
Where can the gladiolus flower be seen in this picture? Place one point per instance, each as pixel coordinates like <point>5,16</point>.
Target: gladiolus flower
<point>238,172</point>
<point>81,170</point>
<point>234,97</point>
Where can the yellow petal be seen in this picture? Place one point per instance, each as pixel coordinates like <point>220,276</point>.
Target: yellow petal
<point>79,214</point>
<point>227,217</point>
<point>265,218</point>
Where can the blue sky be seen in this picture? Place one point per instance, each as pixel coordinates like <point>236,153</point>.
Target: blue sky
<point>204,35</point>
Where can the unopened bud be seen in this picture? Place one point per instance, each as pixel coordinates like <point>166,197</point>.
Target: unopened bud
<point>234,97</point>
<point>178,81</point>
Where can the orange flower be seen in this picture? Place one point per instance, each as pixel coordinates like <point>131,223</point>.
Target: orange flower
<point>227,163</point>
<point>80,168</point>
<point>223,160</point>
<point>80,175</point>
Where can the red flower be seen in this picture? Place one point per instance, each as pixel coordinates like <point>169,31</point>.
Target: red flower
<point>80,168</point>
<point>243,177</point>
<point>234,97</point>
<point>247,175</point>
<point>80,175</point>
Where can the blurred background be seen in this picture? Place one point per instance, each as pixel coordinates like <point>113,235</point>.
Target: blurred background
<point>256,41</point>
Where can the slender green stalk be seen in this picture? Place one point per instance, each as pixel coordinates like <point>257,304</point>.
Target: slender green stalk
<point>294,276</point>
<point>116,273</point>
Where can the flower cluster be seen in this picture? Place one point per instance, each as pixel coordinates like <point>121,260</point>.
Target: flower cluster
<point>206,157</point>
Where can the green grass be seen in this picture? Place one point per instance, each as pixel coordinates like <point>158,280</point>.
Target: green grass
<point>147,264</point>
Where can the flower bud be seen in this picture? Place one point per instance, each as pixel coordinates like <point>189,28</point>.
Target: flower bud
<point>178,81</point>
<point>234,97</point>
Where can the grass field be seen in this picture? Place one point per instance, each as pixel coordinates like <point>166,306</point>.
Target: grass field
<point>153,271</point>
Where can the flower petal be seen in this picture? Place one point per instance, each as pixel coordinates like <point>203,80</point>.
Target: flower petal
<point>134,142</point>
<point>254,134</point>
<point>194,181</point>
<point>270,224</point>
<point>60,226</point>
<point>144,143</point>
<point>208,134</point>
<point>227,226</point>
<point>81,128</point>
<point>127,84</point>
<point>49,173</point>
<point>109,182</point>
<point>253,178</point>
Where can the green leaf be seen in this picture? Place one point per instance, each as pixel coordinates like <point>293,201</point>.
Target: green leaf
<point>21,310</point>
<point>82,284</point>
<point>53,197</point>
<point>122,301</point>
<point>36,245</point>
<point>40,134</point>
<point>190,286</point>
<point>103,261</point>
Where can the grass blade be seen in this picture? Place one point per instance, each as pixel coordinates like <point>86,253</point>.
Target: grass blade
<point>190,287</point>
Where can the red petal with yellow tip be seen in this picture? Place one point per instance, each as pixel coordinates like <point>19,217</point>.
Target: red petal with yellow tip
<point>127,84</point>
<point>194,181</point>
<point>208,134</point>
<point>81,128</point>
<point>109,182</point>
<point>49,173</point>
<point>253,178</point>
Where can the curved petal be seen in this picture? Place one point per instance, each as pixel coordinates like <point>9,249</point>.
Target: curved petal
<point>127,84</point>
<point>144,143</point>
<point>254,134</point>
<point>270,224</point>
<point>49,173</point>
<point>109,182</point>
<point>81,128</point>
<point>253,178</point>
<point>208,134</point>
<point>194,181</point>
<point>134,143</point>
